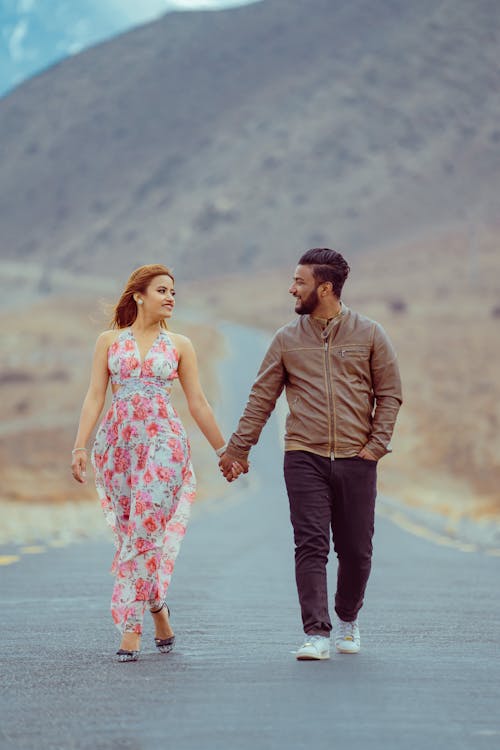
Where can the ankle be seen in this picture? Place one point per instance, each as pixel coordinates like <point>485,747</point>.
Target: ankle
<point>131,641</point>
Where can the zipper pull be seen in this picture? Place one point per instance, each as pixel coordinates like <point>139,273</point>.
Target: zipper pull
<point>332,456</point>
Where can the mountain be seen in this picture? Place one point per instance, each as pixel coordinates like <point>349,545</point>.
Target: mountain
<point>230,140</point>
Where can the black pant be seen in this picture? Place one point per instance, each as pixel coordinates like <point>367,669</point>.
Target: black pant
<point>339,494</point>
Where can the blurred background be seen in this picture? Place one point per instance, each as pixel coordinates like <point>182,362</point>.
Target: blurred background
<point>225,141</point>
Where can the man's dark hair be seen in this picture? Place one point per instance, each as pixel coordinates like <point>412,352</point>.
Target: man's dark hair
<point>327,265</point>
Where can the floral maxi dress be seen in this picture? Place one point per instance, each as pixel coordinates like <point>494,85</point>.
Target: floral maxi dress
<point>144,477</point>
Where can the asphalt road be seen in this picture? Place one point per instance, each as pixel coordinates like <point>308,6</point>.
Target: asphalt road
<point>427,677</point>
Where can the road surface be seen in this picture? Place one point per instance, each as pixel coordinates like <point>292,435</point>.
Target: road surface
<point>427,677</point>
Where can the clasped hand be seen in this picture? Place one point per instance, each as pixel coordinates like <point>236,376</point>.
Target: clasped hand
<point>231,468</point>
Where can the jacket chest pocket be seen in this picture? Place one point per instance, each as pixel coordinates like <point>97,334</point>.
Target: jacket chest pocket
<point>352,362</point>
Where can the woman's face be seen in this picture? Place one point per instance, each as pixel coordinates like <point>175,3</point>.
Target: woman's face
<point>159,297</point>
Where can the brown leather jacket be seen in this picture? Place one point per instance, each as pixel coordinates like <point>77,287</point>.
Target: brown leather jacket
<point>342,385</point>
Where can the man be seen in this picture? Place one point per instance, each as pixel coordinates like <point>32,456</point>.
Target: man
<point>342,384</point>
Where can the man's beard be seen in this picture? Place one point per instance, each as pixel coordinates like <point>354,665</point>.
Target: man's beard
<point>309,304</point>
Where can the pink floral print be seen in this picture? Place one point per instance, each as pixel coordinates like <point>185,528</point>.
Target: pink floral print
<point>144,477</point>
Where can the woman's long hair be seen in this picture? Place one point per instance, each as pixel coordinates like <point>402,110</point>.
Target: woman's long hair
<point>125,311</point>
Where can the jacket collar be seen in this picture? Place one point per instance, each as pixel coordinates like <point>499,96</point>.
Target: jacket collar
<point>327,326</point>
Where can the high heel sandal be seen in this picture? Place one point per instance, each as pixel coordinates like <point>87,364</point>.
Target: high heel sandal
<point>164,645</point>
<point>124,655</point>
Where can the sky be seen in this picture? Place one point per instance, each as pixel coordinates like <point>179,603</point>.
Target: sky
<point>37,33</point>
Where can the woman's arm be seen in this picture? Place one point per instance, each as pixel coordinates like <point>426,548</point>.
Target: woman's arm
<point>198,405</point>
<point>92,404</point>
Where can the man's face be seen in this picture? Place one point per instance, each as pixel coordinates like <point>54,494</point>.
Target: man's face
<point>304,290</point>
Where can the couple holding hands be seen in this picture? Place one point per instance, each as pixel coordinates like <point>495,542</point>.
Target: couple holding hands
<point>341,378</point>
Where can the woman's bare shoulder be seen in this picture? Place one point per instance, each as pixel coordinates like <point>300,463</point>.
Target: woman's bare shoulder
<point>107,338</point>
<point>179,340</point>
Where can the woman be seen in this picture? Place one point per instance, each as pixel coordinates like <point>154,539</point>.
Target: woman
<point>141,455</point>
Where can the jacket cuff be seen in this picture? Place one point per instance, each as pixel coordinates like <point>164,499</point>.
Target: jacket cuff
<point>377,450</point>
<point>237,452</point>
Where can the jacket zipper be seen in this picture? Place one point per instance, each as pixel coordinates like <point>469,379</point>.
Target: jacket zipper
<point>330,400</point>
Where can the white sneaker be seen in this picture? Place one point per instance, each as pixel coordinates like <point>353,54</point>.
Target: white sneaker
<point>314,647</point>
<point>347,637</point>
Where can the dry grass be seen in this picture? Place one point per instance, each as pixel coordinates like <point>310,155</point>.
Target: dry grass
<point>436,298</point>
<point>447,338</point>
<point>47,352</point>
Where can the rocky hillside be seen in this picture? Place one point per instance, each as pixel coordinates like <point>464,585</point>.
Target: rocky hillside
<point>223,141</point>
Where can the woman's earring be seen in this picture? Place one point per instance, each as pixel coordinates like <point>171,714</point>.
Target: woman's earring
<point>139,301</point>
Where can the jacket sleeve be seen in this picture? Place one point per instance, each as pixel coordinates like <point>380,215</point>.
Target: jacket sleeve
<point>261,401</point>
<point>386,383</point>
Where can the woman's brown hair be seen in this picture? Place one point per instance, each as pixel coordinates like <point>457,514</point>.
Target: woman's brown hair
<point>125,311</point>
